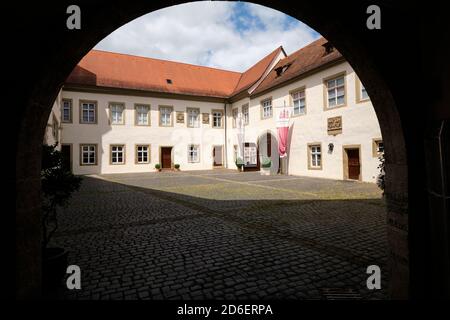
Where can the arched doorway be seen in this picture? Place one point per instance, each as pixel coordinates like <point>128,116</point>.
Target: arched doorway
<point>60,49</point>
<point>268,150</point>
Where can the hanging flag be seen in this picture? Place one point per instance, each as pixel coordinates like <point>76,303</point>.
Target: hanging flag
<point>282,123</point>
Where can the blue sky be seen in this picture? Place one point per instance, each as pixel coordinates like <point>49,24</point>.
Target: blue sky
<point>222,34</point>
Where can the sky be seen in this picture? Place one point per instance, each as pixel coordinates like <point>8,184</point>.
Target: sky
<point>228,35</point>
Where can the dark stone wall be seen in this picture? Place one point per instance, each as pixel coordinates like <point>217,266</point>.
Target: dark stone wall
<point>403,66</point>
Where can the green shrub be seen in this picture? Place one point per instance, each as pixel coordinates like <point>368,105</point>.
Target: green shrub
<point>177,166</point>
<point>157,166</point>
<point>266,162</point>
<point>239,163</point>
<point>58,184</point>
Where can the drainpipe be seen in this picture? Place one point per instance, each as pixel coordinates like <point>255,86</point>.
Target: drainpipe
<point>226,136</point>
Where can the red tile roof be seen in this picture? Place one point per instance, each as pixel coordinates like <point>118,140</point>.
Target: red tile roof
<point>116,70</point>
<point>301,61</point>
<point>254,73</point>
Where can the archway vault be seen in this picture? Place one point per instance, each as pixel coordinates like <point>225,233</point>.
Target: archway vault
<point>383,72</point>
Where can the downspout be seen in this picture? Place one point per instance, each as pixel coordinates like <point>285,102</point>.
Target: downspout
<point>226,135</point>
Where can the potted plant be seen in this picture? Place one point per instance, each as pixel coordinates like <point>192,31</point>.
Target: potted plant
<point>266,163</point>
<point>239,163</point>
<point>158,167</point>
<point>58,184</point>
<point>177,167</point>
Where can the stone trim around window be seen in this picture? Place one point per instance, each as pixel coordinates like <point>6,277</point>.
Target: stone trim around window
<point>262,108</point>
<point>291,101</point>
<point>325,90</point>
<point>358,86</point>
<point>375,143</point>
<point>80,113</point>
<point>149,115</point>
<point>149,160</point>
<point>81,145</point>
<point>124,154</point>
<point>171,115</point>
<point>71,110</point>
<point>221,118</point>
<point>314,144</point>
<point>110,103</point>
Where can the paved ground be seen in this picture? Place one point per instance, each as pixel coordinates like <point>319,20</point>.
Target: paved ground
<point>222,235</point>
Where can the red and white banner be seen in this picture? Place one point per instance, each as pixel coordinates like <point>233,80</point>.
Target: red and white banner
<point>282,122</point>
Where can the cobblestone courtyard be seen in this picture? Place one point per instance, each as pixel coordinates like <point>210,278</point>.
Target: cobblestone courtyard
<point>223,235</point>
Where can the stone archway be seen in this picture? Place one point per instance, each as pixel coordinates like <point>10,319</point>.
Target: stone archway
<point>57,51</point>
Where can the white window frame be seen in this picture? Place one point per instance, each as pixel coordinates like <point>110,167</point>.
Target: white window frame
<point>115,150</point>
<point>234,115</point>
<point>165,112</point>
<point>193,153</point>
<point>117,111</point>
<point>333,87</point>
<point>139,111</point>
<point>91,112</point>
<point>140,151</point>
<point>246,114</point>
<point>89,149</point>
<point>267,110</point>
<point>69,110</point>
<point>193,117</point>
<point>299,96</point>
<point>315,160</point>
<point>217,116</point>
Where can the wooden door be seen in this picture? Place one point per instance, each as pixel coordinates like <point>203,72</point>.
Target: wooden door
<point>354,166</point>
<point>166,157</point>
<point>217,156</point>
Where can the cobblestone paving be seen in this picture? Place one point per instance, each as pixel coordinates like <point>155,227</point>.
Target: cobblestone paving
<point>222,235</point>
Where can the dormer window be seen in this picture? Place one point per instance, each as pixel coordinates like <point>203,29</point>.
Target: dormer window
<point>169,81</point>
<point>281,69</point>
<point>328,48</point>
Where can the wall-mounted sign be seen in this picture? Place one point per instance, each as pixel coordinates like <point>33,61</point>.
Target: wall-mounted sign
<point>334,125</point>
<point>180,117</point>
<point>205,118</point>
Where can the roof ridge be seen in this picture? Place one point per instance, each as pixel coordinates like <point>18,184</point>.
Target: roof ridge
<point>164,60</point>
<point>242,74</point>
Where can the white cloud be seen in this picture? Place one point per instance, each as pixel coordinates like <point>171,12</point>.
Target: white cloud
<point>227,35</point>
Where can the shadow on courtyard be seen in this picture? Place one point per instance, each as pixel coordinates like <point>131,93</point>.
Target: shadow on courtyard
<point>141,243</point>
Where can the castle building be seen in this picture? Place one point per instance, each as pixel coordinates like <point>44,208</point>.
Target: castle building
<point>119,113</point>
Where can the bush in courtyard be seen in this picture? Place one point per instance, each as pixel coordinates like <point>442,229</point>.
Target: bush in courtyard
<point>266,162</point>
<point>239,163</point>
<point>177,166</point>
<point>157,166</point>
<point>381,176</point>
<point>58,184</point>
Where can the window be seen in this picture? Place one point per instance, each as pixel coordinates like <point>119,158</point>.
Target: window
<point>117,114</point>
<point>245,114</point>
<point>217,118</point>
<point>298,100</point>
<point>55,128</point>
<point>88,112</point>
<point>336,92</point>
<point>234,113</point>
<point>165,116</point>
<point>377,147</point>
<point>364,95</point>
<point>66,111</point>
<point>193,152</point>
<point>315,156</point>
<point>88,154</point>
<point>117,154</point>
<point>142,114</point>
<point>266,108</point>
<point>142,154</point>
<point>193,118</point>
